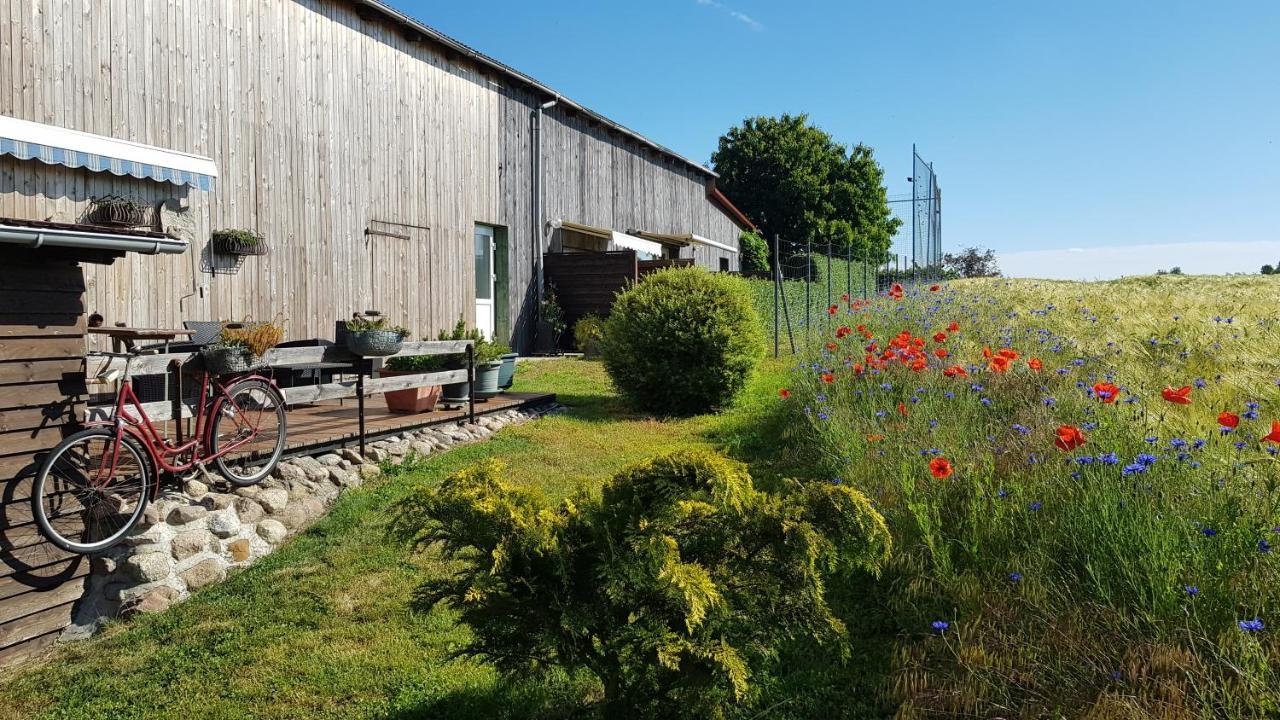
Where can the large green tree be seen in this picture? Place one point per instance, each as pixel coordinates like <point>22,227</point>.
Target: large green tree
<point>796,182</point>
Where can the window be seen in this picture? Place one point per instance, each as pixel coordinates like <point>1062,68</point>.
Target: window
<point>724,264</point>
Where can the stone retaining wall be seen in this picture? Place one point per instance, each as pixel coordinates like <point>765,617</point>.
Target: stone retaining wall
<point>191,537</point>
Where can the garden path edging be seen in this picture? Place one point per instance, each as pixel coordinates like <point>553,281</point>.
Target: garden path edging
<point>190,537</point>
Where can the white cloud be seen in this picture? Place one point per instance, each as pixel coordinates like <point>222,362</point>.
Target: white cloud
<point>739,16</point>
<point>1104,263</point>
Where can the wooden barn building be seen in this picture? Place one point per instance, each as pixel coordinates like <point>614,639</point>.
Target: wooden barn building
<point>385,165</point>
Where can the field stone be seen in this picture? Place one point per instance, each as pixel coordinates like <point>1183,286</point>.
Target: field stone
<point>273,531</point>
<point>155,600</point>
<point>224,523</point>
<point>195,488</point>
<point>300,490</point>
<point>248,510</point>
<point>294,516</point>
<point>205,572</point>
<point>273,500</point>
<point>239,549</point>
<point>217,501</point>
<point>338,476</point>
<point>329,459</point>
<point>368,471</point>
<point>148,567</point>
<point>250,491</point>
<point>289,472</point>
<point>377,454</point>
<point>421,447</point>
<point>189,543</point>
<point>351,455</point>
<point>398,449</point>
<point>150,516</point>
<point>151,536</point>
<point>184,514</point>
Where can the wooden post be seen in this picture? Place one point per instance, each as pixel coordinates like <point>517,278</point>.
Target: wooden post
<point>360,367</point>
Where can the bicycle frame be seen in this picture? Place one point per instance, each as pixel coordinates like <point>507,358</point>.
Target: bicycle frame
<point>157,446</point>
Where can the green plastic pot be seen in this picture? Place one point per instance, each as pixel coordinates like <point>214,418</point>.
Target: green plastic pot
<point>507,375</point>
<point>487,378</point>
<point>455,393</point>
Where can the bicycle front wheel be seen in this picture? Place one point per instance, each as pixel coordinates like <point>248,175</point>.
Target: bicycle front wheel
<point>251,422</point>
<point>91,491</point>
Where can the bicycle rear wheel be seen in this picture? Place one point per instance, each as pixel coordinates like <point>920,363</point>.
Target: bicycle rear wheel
<point>252,419</point>
<point>80,501</point>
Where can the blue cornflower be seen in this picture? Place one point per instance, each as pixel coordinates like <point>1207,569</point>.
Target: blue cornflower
<point>1177,443</point>
<point>881,413</point>
<point>1152,439</point>
<point>986,402</point>
<point>1254,625</point>
<point>949,395</point>
<point>1133,469</point>
<point>1208,532</point>
<point>1089,425</point>
<point>821,398</point>
<point>1264,547</point>
<point>1022,429</point>
<point>1251,414</point>
<point>1085,460</point>
<point>836,481</point>
<point>1192,590</point>
<point>823,416</point>
<point>1199,443</point>
<point>1109,458</point>
<point>1002,494</point>
<point>1015,576</point>
<point>1239,444</point>
<point>1146,459</point>
<point>1048,402</point>
<point>940,625</point>
<point>886,386</point>
<point>1035,506</point>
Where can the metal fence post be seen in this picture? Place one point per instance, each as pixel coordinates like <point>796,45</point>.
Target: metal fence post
<point>777,293</point>
<point>829,303</point>
<point>808,280</point>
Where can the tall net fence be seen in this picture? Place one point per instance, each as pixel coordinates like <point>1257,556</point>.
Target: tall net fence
<point>926,216</point>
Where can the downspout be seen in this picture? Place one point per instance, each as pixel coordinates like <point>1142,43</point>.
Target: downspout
<point>539,221</point>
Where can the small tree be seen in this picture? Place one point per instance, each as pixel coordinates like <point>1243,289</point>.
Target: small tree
<point>972,262</point>
<point>676,585</point>
<point>1268,270</point>
<point>754,252</point>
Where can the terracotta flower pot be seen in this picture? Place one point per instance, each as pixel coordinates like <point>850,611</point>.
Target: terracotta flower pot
<point>411,400</point>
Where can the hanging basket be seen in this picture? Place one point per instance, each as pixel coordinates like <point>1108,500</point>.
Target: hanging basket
<point>116,211</point>
<point>374,343</point>
<point>229,361</point>
<point>238,242</point>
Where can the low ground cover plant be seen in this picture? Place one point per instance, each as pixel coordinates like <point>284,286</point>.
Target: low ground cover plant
<point>682,341</point>
<point>1082,483</point>
<point>675,586</point>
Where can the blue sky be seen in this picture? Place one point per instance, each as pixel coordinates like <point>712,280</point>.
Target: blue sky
<point>1080,127</point>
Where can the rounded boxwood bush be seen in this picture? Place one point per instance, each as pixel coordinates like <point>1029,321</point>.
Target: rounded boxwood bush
<point>682,341</point>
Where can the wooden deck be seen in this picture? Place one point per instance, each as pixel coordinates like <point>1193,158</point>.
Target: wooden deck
<point>330,424</point>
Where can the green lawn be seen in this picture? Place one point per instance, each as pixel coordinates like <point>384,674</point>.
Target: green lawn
<point>323,627</point>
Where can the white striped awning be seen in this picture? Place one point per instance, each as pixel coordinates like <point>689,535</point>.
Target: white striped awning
<point>52,145</point>
<point>615,238</point>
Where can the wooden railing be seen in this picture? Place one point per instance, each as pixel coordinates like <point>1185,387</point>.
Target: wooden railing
<point>115,369</point>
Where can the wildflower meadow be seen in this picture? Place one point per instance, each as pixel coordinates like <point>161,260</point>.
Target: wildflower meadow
<point>1081,483</point>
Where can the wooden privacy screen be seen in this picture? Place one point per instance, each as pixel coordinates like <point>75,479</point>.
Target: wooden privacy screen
<point>587,283</point>
<point>42,328</point>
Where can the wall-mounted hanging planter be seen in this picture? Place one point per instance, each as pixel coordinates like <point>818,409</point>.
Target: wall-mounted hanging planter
<point>238,242</point>
<point>116,211</point>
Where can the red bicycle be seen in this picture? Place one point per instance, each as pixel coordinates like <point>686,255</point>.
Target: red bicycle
<point>95,485</point>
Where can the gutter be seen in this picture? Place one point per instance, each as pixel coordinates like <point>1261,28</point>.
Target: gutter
<point>87,240</point>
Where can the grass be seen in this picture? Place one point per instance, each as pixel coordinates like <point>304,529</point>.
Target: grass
<point>1064,575</point>
<point>323,628</point>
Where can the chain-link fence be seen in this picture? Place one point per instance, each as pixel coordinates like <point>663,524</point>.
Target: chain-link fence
<point>926,217</point>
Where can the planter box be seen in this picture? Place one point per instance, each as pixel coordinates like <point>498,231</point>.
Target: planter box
<point>411,400</point>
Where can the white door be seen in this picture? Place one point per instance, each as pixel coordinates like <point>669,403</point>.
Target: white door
<point>484,280</point>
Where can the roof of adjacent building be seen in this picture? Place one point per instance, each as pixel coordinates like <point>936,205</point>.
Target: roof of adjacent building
<point>416,26</point>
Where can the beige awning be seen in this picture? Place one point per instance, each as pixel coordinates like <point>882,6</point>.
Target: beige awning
<point>684,240</point>
<point>615,238</point>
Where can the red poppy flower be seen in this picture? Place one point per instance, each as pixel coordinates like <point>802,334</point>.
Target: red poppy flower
<point>1008,354</point>
<point>1229,420</point>
<point>895,291</point>
<point>832,347</point>
<point>941,468</point>
<point>953,327</point>
<point>1035,364</point>
<point>935,288</point>
<point>941,352</point>
<point>876,437</point>
<point>1181,396</point>
<point>833,310</point>
<point>784,393</point>
<point>1106,392</point>
<point>1274,435</point>
<point>844,297</point>
<point>955,371</point>
<point>1069,438</point>
<point>828,377</point>
<point>939,337</point>
<point>902,409</point>
<point>842,332</point>
<point>999,364</point>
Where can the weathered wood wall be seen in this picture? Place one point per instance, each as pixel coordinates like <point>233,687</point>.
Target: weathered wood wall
<point>42,330</point>
<point>320,122</point>
<point>323,124</point>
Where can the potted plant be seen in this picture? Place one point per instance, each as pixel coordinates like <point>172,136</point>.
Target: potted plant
<point>488,367</point>
<point>507,375</point>
<point>418,399</point>
<point>238,242</point>
<point>371,335</point>
<point>458,393</point>
<point>118,212</point>
<point>552,323</point>
<point>240,347</point>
